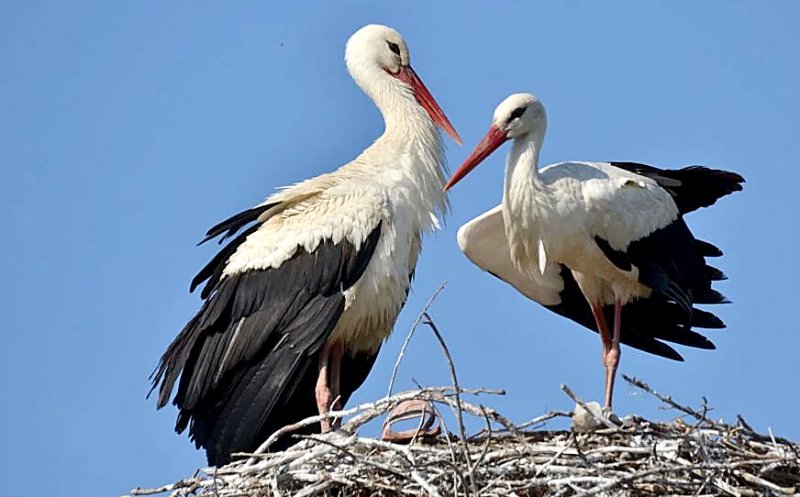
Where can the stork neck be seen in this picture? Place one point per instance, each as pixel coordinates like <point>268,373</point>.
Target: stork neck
<point>403,117</point>
<point>408,157</point>
<point>522,174</point>
<point>405,120</point>
<point>525,201</point>
<point>409,132</point>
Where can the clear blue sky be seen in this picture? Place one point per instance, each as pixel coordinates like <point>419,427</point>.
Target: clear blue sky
<point>128,128</point>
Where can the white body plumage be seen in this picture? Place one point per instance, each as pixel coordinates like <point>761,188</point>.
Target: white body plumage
<point>573,202</point>
<point>398,187</point>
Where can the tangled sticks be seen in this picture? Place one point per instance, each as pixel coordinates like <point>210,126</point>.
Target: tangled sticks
<point>639,457</point>
<point>692,455</point>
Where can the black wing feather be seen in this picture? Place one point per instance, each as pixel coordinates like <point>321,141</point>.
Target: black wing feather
<point>212,272</point>
<point>707,249</point>
<point>668,263</point>
<point>670,260</point>
<point>246,360</point>
<point>234,223</point>
<point>692,187</point>
<point>645,322</point>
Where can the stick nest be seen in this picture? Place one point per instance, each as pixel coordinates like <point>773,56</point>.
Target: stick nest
<point>692,455</point>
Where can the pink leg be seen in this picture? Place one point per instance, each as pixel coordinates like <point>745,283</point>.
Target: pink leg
<point>322,391</point>
<point>612,355</point>
<point>327,388</point>
<point>608,349</point>
<point>335,378</point>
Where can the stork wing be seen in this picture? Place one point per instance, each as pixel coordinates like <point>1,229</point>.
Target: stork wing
<point>483,240</point>
<point>647,321</point>
<point>248,359</point>
<point>638,221</point>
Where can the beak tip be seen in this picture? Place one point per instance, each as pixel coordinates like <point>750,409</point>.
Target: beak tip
<point>452,133</point>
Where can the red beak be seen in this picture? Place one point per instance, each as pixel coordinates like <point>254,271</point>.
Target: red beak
<point>493,139</point>
<point>407,75</point>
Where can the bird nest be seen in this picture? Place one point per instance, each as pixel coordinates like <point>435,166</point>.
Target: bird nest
<point>692,455</point>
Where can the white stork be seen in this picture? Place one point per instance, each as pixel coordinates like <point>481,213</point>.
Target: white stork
<point>297,305</point>
<point>608,233</point>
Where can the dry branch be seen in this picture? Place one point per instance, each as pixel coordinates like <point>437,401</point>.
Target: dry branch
<point>639,457</point>
<point>632,456</point>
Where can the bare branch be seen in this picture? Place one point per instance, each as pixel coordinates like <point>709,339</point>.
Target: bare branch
<point>411,334</point>
<point>699,456</point>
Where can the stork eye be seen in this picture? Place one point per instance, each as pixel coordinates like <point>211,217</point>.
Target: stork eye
<point>517,113</point>
<point>394,47</point>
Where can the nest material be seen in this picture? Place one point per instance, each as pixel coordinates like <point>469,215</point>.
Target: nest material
<point>692,455</point>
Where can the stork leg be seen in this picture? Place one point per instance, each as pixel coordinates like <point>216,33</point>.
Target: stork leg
<point>610,354</point>
<point>335,379</point>
<point>327,388</point>
<point>613,354</point>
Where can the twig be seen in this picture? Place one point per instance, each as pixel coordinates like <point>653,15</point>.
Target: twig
<point>368,412</point>
<point>459,410</point>
<point>185,483</point>
<point>452,367</point>
<point>668,400</point>
<point>411,334</point>
<point>488,439</point>
<point>538,420</point>
<point>450,445</point>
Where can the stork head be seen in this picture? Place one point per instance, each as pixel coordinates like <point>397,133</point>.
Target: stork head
<point>378,59</point>
<point>515,118</point>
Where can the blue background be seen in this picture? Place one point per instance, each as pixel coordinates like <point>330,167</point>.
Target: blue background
<point>128,128</point>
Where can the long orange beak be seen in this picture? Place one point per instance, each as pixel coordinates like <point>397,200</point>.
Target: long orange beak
<point>493,139</point>
<point>407,75</point>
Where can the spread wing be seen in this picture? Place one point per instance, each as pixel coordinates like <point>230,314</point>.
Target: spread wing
<point>648,322</point>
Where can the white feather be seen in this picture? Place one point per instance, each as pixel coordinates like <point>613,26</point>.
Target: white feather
<point>542,257</point>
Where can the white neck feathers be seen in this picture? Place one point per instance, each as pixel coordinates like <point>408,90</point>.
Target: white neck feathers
<point>523,196</point>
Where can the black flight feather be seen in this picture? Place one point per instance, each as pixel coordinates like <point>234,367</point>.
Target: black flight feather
<point>646,323</point>
<point>247,361</point>
<point>692,187</point>
<point>235,223</point>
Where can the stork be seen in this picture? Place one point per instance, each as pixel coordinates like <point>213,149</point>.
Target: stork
<point>585,239</point>
<point>296,306</point>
